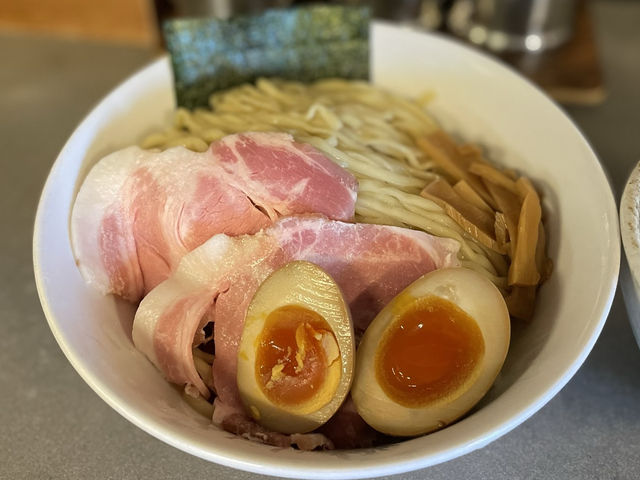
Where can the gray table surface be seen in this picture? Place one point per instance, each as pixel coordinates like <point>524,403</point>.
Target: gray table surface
<point>54,426</point>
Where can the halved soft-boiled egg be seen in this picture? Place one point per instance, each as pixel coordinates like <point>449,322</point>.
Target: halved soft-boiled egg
<point>432,353</point>
<point>296,355</point>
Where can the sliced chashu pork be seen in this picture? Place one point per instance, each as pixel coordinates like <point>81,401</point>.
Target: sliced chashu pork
<point>371,263</point>
<point>139,212</point>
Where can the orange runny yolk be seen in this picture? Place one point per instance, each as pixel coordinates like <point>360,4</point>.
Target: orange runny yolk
<point>294,350</point>
<point>431,349</point>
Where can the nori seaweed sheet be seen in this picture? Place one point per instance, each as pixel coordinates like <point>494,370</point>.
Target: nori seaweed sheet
<point>305,44</point>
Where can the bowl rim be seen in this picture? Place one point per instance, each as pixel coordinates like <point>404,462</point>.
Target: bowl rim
<point>408,462</point>
<point>629,217</point>
<point>630,235</point>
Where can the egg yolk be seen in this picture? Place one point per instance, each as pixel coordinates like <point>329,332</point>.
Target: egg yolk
<point>429,351</point>
<point>294,350</point>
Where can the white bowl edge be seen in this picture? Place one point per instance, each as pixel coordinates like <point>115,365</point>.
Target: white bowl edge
<point>630,233</point>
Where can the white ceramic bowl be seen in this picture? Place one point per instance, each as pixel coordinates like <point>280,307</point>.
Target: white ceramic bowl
<point>478,99</point>
<point>630,233</point>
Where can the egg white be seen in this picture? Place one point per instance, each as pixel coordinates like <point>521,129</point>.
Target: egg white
<point>304,284</point>
<point>483,302</point>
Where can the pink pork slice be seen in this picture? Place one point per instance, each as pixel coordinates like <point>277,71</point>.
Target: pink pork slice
<point>139,212</point>
<point>371,263</point>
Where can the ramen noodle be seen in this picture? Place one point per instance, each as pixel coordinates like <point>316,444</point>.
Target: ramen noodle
<point>374,134</point>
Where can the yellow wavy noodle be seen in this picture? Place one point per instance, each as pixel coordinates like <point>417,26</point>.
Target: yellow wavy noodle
<point>368,131</point>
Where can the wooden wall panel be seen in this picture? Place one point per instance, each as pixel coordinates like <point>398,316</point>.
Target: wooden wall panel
<point>124,21</point>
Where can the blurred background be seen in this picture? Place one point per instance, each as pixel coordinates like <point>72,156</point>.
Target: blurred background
<point>550,41</point>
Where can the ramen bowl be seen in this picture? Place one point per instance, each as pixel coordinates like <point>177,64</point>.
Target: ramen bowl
<point>630,233</point>
<point>476,98</point>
